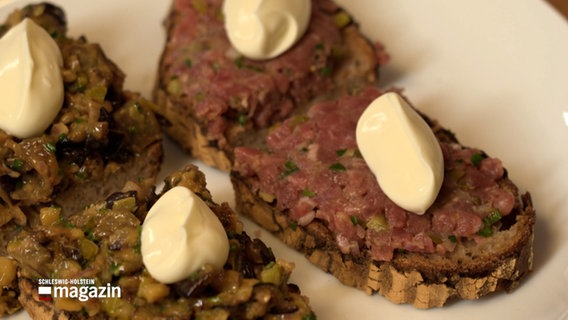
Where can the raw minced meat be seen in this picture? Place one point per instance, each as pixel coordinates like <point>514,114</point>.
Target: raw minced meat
<point>312,169</point>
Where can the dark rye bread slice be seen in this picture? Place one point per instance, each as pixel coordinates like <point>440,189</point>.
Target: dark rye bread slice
<point>212,99</point>
<point>253,284</point>
<point>103,137</point>
<point>477,266</point>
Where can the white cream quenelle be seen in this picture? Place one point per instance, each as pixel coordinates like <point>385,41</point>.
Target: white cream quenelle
<point>180,235</point>
<point>401,150</point>
<point>31,85</point>
<point>264,29</point>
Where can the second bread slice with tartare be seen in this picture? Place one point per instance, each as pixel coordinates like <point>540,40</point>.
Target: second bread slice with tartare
<point>310,186</point>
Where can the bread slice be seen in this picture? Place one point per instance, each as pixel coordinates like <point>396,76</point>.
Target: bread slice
<point>212,99</point>
<point>102,243</point>
<point>103,136</point>
<point>301,153</point>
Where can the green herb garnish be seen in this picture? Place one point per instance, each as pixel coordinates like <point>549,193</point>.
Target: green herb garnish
<point>49,147</point>
<point>17,164</point>
<point>293,225</point>
<point>337,167</point>
<point>354,220</point>
<point>488,221</point>
<point>326,71</point>
<point>81,174</point>
<point>242,119</point>
<point>114,268</point>
<point>66,223</point>
<point>476,158</point>
<point>240,63</point>
<point>289,168</point>
<point>308,193</point>
<point>310,316</point>
<point>493,217</point>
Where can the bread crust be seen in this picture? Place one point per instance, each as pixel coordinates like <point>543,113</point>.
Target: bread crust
<point>189,135</point>
<point>423,280</point>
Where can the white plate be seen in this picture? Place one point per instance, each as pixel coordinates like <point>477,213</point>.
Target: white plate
<point>495,72</point>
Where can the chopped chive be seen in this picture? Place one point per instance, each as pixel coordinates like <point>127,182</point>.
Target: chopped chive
<point>453,238</point>
<point>49,147</point>
<point>476,158</point>
<point>310,316</point>
<point>114,268</point>
<point>326,71</point>
<point>187,62</point>
<point>269,265</point>
<point>299,120</point>
<point>289,168</point>
<point>308,193</point>
<point>354,220</point>
<point>293,225</point>
<point>486,231</point>
<point>239,62</point>
<point>488,221</point>
<point>65,222</point>
<point>340,152</point>
<point>215,300</point>
<point>492,217</point>
<point>242,119</point>
<point>337,167</point>
<point>17,164</point>
<point>90,234</point>
<point>137,248</point>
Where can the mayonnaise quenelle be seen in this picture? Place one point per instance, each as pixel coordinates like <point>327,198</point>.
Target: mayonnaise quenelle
<point>264,29</point>
<point>401,150</point>
<point>31,85</point>
<point>180,235</point>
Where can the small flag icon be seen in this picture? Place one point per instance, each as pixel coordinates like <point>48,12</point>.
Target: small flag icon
<point>44,293</point>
